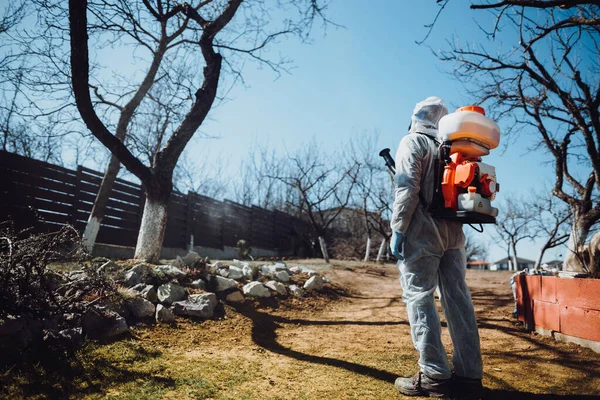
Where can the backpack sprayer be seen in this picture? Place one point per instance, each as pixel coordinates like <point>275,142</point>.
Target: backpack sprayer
<point>464,187</point>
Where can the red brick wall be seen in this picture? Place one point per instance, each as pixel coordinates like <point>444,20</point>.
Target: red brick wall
<point>568,306</point>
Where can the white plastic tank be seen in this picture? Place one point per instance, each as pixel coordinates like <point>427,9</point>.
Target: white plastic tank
<point>472,133</point>
<point>473,201</point>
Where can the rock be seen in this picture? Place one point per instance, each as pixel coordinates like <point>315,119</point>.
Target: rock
<point>136,274</point>
<point>314,283</point>
<point>235,297</point>
<point>256,289</point>
<point>170,293</point>
<point>149,293</point>
<point>197,305</point>
<point>309,271</point>
<point>224,272</point>
<point>179,263</point>
<point>141,268</point>
<point>140,307</point>
<point>163,314</point>
<point>223,284</point>
<point>101,323</point>
<point>279,266</point>
<point>235,272</point>
<point>216,265</point>
<point>248,272</point>
<point>282,276</point>
<point>277,287</point>
<point>118,327</point>
<point>198,284</point>
<point>266,270</point>
<point>170,271</point>
<point>294,270</point>
<point>296,291</point>
<point>192,260</point>
<point>238,263</point>
<point>132,278</point>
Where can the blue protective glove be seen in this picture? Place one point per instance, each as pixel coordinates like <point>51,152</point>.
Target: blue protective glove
<point>397,245</point>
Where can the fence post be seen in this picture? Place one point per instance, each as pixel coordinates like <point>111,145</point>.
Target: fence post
<point>223,205</point>
<point>190,219</point>
<point>275,238</point>
<point>76,194</point>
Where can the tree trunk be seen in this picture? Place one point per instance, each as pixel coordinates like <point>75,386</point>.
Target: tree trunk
<point>381,250</point>
<point>368,250</point>
<point>324,249</point>
<point>514,257</point>
<point>154,218</point>
<point>95,219</point>
<point>152,230</point>
<point>538,262</point>
<point>573,260</point>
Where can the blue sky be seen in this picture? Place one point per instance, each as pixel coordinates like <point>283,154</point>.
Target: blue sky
<point>367,75</point>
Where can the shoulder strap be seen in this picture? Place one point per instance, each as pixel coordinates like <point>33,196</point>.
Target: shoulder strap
<point>421,198</point>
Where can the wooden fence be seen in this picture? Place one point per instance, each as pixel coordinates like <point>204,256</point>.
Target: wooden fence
<point>47,196</point>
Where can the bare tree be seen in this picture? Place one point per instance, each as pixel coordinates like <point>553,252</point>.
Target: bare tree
<point>546,84</point>
<point>323,185</point>
<point>170,33</point>
<point>202,175</point>
<point>256,184</point>
<point>13,14</point>
<point>373,192</point>
<point>513,226</point>
<point>474,249</point>
<point>551,220</point>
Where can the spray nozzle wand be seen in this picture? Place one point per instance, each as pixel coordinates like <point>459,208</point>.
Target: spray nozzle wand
<point>389,161</point>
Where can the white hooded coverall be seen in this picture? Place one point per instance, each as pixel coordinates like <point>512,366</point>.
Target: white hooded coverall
<point>434,255</point>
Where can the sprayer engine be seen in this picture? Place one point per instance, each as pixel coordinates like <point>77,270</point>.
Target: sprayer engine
<point>469,185</point>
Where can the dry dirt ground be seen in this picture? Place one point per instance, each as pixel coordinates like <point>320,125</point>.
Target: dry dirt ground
<point>349,343</point>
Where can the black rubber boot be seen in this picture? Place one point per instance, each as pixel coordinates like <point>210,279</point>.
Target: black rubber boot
<point>422,385</point>
<point>463,388</point>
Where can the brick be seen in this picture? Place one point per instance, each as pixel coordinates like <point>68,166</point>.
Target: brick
<point>546,315</point>
<point>578,292</point>
<point>533,283</point>
<point>580,322</point>
<point>549,289</point>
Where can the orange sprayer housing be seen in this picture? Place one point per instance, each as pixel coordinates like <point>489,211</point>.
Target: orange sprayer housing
<point>459,173</point>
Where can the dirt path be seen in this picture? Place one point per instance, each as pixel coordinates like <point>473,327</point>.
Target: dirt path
<point>346,346</point>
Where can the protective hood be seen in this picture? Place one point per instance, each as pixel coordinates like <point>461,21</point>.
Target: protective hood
<point>426,116</point>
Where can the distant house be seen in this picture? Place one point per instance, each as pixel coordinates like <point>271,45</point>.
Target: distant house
<point>478,264</point>
<point>503,264</point>
<point>554,264</point>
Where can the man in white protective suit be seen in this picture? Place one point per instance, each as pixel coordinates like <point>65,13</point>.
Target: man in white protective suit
<point>431,254</point>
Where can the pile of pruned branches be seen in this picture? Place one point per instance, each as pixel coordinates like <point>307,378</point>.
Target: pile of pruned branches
<point>40,304</point>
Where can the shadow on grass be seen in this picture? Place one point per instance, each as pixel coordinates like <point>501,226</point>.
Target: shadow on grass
<point>264,327</point>
<point>59,375</point>
<point>264,334</point>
